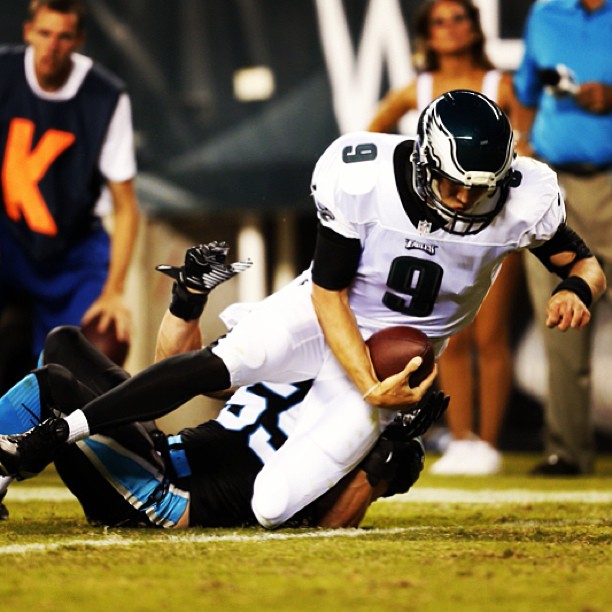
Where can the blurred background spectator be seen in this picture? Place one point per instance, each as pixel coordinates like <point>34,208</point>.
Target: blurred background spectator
<point>565,86</point>
<point>65,134</point>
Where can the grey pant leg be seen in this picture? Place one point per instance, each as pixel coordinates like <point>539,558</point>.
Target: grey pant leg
<point>567,413</point>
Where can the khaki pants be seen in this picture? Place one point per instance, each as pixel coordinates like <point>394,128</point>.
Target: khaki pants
<point>567,416</point>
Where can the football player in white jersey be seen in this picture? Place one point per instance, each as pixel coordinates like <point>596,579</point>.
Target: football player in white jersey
<point>412,232</point>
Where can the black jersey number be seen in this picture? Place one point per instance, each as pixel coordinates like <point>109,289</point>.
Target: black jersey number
<point>360,153</point>
<point>419,280</point>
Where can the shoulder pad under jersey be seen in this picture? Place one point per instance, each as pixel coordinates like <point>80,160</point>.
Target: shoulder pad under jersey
<point>535,203</point>
<point>350,163</point>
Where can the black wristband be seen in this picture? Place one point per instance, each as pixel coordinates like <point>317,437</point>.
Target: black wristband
<point>186,305</point>
<point>578,286</point>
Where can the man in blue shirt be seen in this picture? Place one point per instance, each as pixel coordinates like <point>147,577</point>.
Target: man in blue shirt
<point>564,86</point>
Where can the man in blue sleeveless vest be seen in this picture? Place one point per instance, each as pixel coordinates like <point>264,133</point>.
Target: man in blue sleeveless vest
<point>65,136</point>
<point>65,133</point>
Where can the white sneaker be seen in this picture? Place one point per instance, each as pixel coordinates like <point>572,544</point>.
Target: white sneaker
<point>468,458</point>
<point>484,460</point>
<point>454,457</point>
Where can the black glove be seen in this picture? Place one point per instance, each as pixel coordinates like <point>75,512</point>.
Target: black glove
<point>399,461</point>
<point>203,270</point>
<point>430,409</point>
<point>205,267</point>
<point>398,456</point>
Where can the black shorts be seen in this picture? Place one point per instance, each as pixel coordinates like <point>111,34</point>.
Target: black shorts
<point>223,471</point>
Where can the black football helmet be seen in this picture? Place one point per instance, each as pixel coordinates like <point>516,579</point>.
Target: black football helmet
<point>465,137</point>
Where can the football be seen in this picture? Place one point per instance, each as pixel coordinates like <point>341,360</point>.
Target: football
<point>106,342</point>
<point>392,348</point>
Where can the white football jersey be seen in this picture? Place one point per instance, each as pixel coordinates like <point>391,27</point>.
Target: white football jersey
<point>409,272</point>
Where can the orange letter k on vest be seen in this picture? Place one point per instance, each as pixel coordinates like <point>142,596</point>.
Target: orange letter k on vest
<point>23,169</point>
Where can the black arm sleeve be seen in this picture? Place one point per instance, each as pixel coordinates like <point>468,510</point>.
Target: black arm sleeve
<point>566,239</point>
<point>336,259</point>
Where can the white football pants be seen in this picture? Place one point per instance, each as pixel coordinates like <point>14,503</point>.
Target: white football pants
<point>280,341</point>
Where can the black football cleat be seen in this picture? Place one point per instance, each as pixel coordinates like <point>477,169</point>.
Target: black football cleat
<point>26,455</point>
<point>555,466</point>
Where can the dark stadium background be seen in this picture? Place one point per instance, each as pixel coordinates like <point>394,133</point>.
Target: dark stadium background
<point>178,59</point>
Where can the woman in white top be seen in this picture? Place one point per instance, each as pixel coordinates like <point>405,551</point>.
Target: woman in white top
<point>450,55</point>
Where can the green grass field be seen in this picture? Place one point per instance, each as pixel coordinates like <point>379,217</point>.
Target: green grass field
<point>510,542</point>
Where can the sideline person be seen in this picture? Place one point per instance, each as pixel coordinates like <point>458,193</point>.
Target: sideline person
<point>564,85</point>
<point>65,138</point>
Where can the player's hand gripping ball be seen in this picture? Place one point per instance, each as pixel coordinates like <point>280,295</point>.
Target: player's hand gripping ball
<point>392,348</point>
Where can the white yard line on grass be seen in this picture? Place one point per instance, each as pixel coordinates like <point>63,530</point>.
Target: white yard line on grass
<point>423,495</point>
<point>258,537</point>
<point>27,494</point>
<point>187,538</point>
